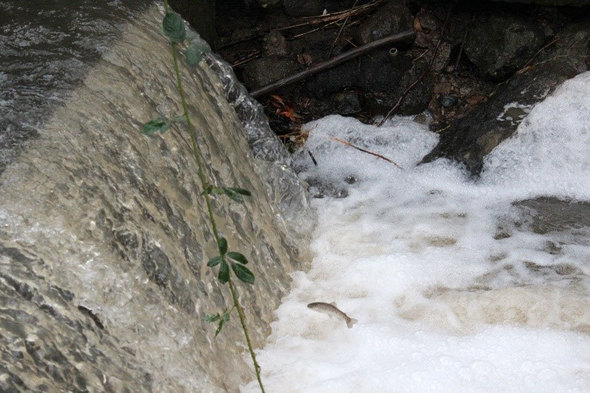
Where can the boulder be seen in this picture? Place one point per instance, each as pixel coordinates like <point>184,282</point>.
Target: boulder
<point>469,139</point>
<point>263,71</point>
<point>501,44</point>
<point>392,18</point>
<point>201,15</point>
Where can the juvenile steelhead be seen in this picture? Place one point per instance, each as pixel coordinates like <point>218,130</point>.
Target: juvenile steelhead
<point>331,310</point>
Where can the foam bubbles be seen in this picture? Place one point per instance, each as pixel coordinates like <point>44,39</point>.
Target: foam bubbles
<point>457,286</point>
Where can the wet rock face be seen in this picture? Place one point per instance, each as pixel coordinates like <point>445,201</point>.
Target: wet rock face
<point>502,44</point>
<point>104,237</point>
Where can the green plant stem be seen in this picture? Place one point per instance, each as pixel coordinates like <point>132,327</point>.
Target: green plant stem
<point>245,329</point>
<point>199,160</point>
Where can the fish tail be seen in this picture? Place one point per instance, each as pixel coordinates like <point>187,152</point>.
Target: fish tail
<point>350,322</point>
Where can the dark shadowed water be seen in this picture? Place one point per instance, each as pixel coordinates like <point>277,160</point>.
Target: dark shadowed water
<point>46,47</point>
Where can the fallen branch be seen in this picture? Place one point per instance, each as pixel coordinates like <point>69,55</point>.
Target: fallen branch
<point>422,75</point>
<point>365,151</point>
<point>333,62</point>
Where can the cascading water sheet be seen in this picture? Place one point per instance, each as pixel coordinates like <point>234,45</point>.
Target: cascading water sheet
<point>458,285</point>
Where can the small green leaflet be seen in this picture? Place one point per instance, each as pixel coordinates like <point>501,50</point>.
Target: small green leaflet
<point>234,193</point>
<point>223,275</point>
<point>236,256</point>
<point>222,245</point>
<point>243,273</point>
<point>173,27</point>
<point>157,125</point>
<point>223,320</point>
<point>194,53</point>
<point>214,261</point>
<point>211,317</point>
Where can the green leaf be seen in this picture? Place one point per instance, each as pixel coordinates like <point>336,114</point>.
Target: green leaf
<point>179,118</point>
<point>236,256</point>
<point>222,245</point>
<point>173,27</point>
<point>219,327</point>
<point>157,125</point>
<point>243,273</point>
<point>240,191</point>
<point>194,53</point>
<point>213,190</point>
<point>223,275</point>
<point>223,320</point>
<point>214,261</point>
<point>236,197</point>
<point>207,190</point>
<point>212,317</point>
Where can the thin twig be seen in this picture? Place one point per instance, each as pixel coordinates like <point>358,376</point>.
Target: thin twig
<point>248,58</point>
<point>341,29</point>
<point>335,16</point>
<point>365,151</point>
<point>547,45</point>
<point>333,62</point>
<point>422,75</point>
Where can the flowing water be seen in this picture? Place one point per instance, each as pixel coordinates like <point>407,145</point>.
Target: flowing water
<point>46,49</point>
<point>458,285</point>
<point>103,231</point>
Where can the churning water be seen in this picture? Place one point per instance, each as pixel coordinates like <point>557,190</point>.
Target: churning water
<point>459,285</point>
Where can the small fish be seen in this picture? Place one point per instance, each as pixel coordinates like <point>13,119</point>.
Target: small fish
<point>331,310</point>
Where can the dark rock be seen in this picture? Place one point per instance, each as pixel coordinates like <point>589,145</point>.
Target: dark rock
<point>502,44</point>
<point>383,73</point>
<point>417,98</point>
<point>275,44</point>
<point>448,101</point>
<point>336,79</point>
<point>469,139</point>
<point>314,7</point>
<point>268,3</point>
<point>393,18</point>
<point>263,71</point>
<point>346,103</point>
<point>201,15</point>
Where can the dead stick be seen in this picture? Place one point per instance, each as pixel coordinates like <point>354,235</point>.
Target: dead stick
<point>341,29</point>
<point>333,62</point>
<point>422,75</point>
<point>366,151</point>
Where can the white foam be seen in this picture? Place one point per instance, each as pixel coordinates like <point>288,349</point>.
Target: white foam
<point>451,292</point>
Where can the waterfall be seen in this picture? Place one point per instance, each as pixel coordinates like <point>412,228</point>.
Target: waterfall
<point>103,234</point>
